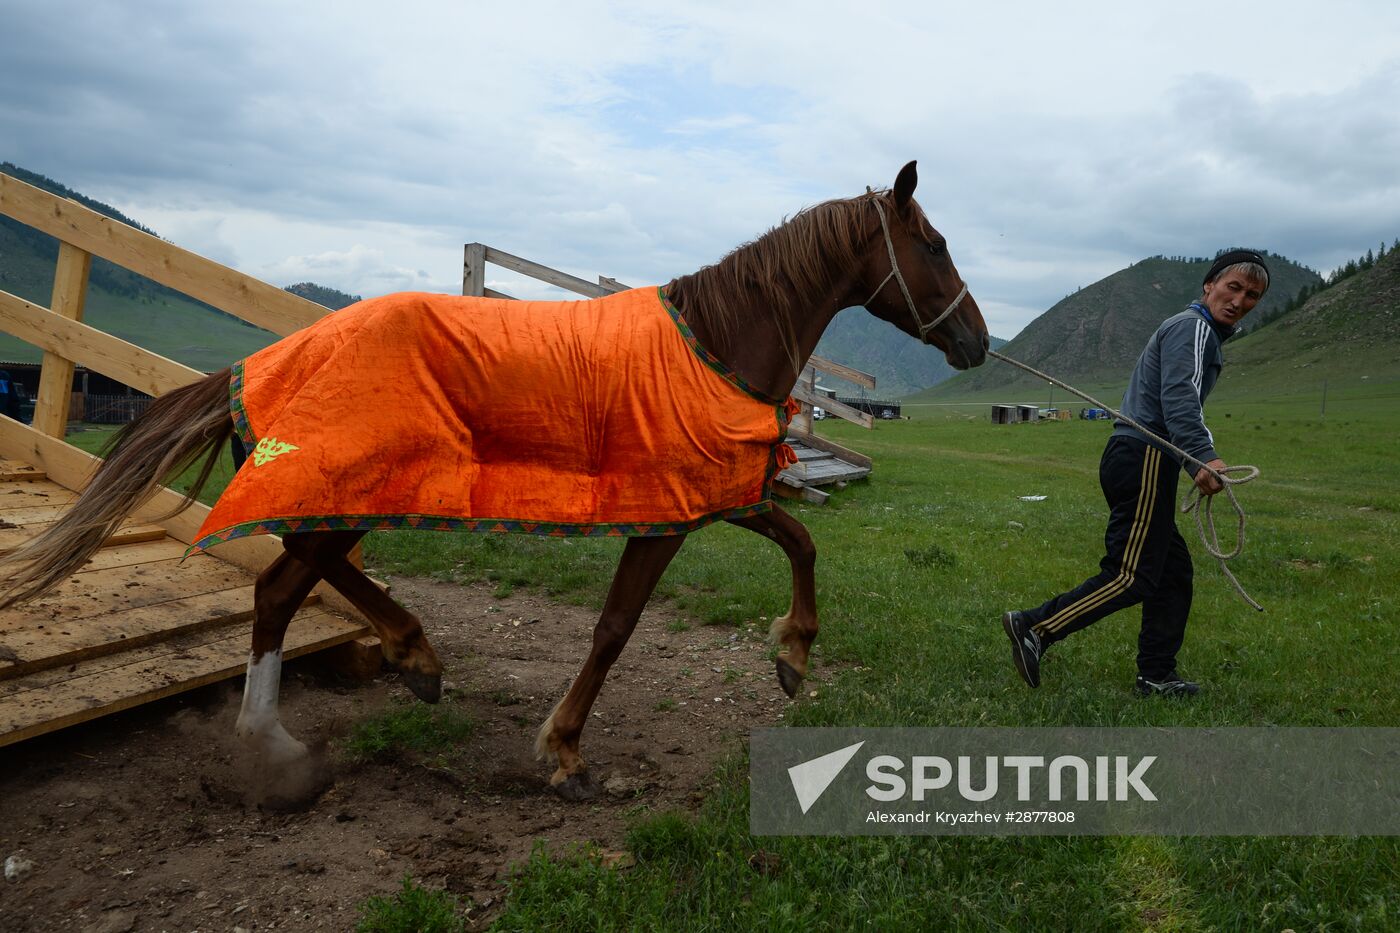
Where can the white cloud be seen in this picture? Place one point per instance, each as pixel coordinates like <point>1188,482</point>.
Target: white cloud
<point>1056,144</point>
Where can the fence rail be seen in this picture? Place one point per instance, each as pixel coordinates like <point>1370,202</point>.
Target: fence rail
<point>114,409</point>
<point>60,332</point>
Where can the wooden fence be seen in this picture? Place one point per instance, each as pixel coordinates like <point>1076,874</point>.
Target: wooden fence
<point>60,332</point>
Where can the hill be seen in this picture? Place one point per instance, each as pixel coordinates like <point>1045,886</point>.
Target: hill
<point>326,297</point>
<point>899,363</point>
<point>1095,335</point>
<point>1347,334</point>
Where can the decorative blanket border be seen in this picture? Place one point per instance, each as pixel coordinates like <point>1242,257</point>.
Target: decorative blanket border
<point>283,526</point>
<point>706,357</point>
<point>241,427</point>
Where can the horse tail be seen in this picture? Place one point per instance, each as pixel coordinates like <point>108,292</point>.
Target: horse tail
<point>177,430</point>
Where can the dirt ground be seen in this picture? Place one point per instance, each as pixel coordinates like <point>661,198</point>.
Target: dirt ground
<point>146,820</point>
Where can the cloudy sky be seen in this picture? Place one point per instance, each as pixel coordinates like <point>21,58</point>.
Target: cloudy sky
<point>359,145</point>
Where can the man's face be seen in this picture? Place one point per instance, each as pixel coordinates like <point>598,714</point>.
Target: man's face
<point>1231,296</point>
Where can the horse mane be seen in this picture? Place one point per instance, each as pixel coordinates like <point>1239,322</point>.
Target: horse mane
<point>779,269</point>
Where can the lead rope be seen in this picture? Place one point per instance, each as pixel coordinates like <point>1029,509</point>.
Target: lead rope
<point>1204,518</point>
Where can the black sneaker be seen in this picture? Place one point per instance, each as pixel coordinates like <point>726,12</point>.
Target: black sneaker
<point>1025,646</point>
<point>1169,686</point>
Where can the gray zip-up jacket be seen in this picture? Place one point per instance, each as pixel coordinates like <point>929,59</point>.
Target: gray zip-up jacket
<point>1173,376</point>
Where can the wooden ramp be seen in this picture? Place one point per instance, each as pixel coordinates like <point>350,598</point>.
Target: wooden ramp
<point>136,624</point>
<point>819,463</point>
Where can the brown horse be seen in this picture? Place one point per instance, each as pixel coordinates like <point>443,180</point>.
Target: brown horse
<point>757,313</point>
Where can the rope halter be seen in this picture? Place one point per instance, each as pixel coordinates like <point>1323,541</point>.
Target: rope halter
<point>898,277</point>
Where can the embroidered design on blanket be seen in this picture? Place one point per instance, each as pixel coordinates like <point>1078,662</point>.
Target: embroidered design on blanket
<point>270,448</point>
<point>441,412</point>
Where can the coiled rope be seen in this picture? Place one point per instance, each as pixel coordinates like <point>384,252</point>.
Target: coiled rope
<point>1196,502</point>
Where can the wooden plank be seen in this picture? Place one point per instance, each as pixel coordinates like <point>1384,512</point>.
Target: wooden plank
<point>72,468</point>
<point>474,269</point>
<point>176,644</point>
<point>93,593</point>
<point>34,515</point>
<point>800,492</point>
<point>17,471</point>
<point>35,649</point>
<point>545,274</point>
<point>833,407</point>
<point>802,419</point>
<point>828,475</point>
<point>807,454</point>
<point>240,295</point>
<point>845,372</point>
<point>359,659</point>
<point>128,533</point>
<point>152,673</point>
<point>38,494</point>
<point>821,443</point>
<point>55,393</point>
<point>111,356</point>
<point>31,515</point>
<point>796,472</point>
<point>149,552</point>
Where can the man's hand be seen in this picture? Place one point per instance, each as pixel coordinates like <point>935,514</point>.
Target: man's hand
<point>1205,482</point>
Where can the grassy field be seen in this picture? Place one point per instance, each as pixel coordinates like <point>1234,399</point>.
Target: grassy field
<point>916,567</point>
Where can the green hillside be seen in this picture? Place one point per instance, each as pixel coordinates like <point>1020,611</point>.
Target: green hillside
<point>1347,335</point>
<point>326,297</point>
<point>119,302</point>
<point>1095,335</point>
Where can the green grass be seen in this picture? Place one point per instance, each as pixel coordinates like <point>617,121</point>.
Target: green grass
<point>416,730</point>
<point>413,909</point>
<point>94,437</point>
<point>915,569</point>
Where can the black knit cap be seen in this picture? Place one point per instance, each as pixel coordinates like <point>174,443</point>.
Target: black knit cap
<point>1226,260</point>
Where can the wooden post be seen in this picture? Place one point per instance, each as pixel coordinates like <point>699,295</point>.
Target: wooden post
<point>802,421</point>
<point>474,270</point>
<point>56,377</point>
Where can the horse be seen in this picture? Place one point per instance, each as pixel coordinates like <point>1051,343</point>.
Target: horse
<point>750,321</point>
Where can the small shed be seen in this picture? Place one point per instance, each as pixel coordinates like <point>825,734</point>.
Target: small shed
<point>1028,412</point>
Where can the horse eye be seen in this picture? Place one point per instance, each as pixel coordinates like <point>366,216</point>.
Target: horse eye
<point>937,248</point>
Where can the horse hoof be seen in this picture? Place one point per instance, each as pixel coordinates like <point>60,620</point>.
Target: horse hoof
<point>426,687</point>
<point>578,787</point>
<point>788,678</point>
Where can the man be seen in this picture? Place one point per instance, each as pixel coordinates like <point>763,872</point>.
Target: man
<point>1147,560</point>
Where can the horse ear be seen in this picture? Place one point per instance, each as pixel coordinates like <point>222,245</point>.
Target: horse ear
<point>904,185</point>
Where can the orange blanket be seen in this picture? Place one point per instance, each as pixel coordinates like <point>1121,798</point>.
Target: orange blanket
<point>601,417</point>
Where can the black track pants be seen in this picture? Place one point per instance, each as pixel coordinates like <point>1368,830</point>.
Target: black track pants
<point>1146,559</point>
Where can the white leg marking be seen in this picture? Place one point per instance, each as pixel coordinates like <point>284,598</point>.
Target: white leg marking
<point>258,724</point>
